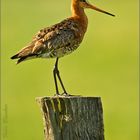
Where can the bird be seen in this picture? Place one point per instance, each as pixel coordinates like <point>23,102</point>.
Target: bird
<point>59,39</point>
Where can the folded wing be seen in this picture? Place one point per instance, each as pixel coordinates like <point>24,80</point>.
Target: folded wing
<point>54,41</point>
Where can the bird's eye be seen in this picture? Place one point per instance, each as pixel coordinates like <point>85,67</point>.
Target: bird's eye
<point>83,0</point>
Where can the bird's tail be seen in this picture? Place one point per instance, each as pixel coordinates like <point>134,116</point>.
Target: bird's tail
<point>24,54</point>
<point>23,58</point>
<point>20,59</point>
<point>15,56</point>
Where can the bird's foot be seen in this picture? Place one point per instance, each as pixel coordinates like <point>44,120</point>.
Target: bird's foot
<point>66,94</point>
<point>57,94</point>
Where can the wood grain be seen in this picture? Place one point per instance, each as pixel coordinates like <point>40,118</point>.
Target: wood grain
<point>72,118</point>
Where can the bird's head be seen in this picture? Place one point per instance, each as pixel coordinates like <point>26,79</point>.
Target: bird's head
<point>86,4</point>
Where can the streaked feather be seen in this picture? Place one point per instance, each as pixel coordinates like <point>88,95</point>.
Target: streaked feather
<point>55,41</point>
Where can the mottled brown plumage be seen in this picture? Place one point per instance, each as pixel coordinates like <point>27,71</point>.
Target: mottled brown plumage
<point>55,41</point>
<point>60,39</point>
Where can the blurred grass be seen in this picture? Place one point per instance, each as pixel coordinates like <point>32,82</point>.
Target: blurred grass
<point>106,65</point>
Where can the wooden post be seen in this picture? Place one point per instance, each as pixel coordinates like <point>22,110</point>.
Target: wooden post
<point>72,118</point>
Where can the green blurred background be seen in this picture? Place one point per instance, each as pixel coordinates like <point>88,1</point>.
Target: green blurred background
<point>105,65</point>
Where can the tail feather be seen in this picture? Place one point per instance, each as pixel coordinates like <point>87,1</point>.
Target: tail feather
<point>26,53</point>
<point>20,59</point>
<point>15,56</point>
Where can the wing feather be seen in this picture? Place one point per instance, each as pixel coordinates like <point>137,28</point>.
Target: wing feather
<point>53,39</point>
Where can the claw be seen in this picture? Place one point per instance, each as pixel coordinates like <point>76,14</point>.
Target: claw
<point>66,94</point>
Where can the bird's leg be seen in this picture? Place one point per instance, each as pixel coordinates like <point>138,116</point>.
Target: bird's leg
<point>58,75</point>
<point>55,78</point>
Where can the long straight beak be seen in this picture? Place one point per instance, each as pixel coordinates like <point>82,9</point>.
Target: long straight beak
<point>98,9</point>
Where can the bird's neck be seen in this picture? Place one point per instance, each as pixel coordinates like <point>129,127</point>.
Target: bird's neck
<point>79,14</point>
<point>76,9</point>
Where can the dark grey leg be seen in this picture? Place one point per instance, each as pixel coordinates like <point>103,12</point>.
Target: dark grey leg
<point>55,78</point>
<point>56,71</point>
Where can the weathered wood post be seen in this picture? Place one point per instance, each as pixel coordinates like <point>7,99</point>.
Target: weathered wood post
<point>72,118</point>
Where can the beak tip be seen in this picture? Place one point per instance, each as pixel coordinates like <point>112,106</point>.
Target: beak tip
<point>110,14</point>
<point>113,15</point>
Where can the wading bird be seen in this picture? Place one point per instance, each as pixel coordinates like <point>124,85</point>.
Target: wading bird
<point>60,39</point>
